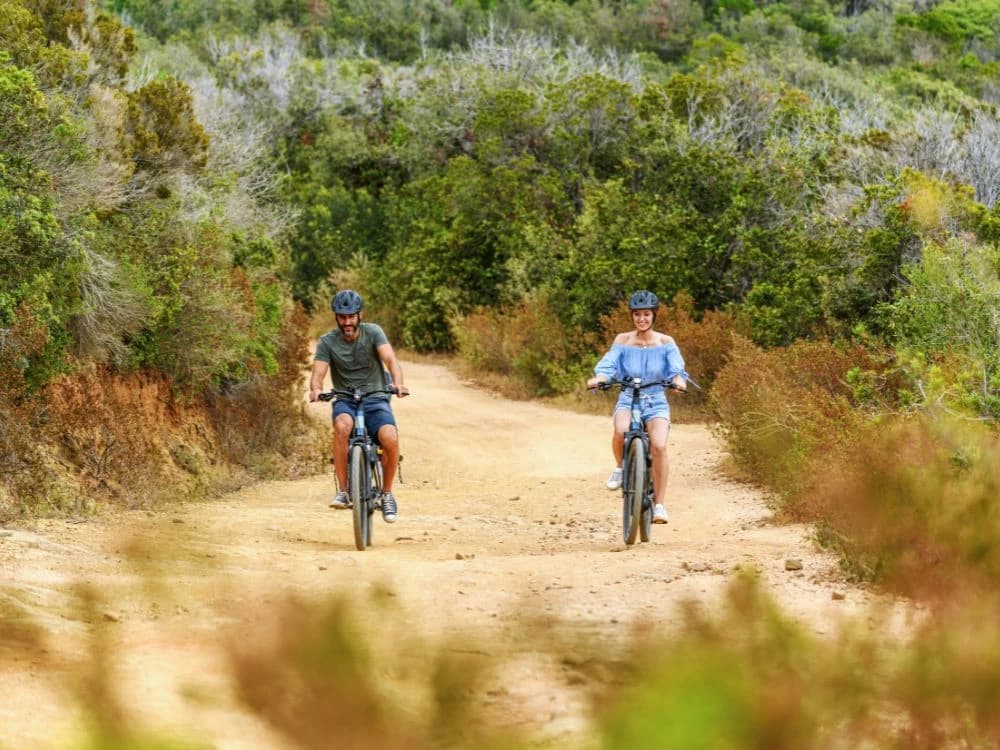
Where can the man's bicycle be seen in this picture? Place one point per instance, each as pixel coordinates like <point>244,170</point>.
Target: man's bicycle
<point>637,475</point>
<point>364,469</point>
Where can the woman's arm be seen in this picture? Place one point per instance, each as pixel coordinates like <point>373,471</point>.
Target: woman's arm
<point>675,365</point>
<point>607,367</point>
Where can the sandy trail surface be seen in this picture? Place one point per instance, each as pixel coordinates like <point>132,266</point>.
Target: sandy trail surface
<point>503,512</point>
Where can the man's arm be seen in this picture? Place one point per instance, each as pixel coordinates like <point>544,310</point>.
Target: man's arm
<point>388,357</point>
<point>319,372</point>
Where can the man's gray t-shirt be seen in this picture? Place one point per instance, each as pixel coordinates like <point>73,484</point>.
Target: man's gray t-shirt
<point>354,364</point>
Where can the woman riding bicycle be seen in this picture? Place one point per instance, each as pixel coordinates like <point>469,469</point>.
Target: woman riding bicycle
<point>652,356</point>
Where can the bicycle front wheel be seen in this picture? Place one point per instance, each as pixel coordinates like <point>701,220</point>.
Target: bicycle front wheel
<point>646,528</point>
<point>633,489</point>
<point>359,501</point>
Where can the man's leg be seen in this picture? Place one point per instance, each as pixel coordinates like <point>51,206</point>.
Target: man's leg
<point>388,438</point>
<point>343,424</point>
<point>381,420</point>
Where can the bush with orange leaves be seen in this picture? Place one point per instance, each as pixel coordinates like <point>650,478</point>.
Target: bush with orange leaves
<point>788,412</point>
<point>909,498</point>
<point>916,506</point>
<point>96,436</point>
<point>528,349</point>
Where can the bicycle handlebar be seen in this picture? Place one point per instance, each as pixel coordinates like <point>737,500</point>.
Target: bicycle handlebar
<point>606,385</point>
<point>356,395</point>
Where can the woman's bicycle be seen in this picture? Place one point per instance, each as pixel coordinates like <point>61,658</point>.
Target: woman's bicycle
<point>637,475</point>
<point>364,468</point>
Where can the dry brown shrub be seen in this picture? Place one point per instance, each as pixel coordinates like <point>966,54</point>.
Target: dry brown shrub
<point>313,682</point>
<point>788,413</point>
<point>96,435</point>
<point>319,674</point>
<point>529,345</point>
<point>916,505</point>
<point>911,501</point>
<point>479,344</point>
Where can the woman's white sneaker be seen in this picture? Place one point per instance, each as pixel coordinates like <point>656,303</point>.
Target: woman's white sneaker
<point>660,514</point>
<point>615,480</point>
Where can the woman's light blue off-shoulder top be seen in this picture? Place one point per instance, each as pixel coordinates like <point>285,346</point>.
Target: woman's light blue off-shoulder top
<point>623,362</point>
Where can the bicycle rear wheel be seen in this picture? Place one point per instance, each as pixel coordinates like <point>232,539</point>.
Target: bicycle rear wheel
<point>359,500</point>
<point>633,490</point>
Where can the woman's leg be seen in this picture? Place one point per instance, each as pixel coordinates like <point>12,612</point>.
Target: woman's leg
<point>658,429</point>
<point>621,423</point>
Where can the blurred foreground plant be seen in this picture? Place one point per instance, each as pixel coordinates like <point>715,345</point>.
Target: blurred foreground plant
<point>752,678</point>
<point>742,674</point>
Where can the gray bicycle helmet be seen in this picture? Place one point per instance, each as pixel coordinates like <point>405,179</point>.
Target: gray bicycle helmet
<point>346,302</point>
<point>643,300</point>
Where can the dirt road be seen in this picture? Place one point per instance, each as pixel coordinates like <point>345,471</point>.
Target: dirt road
<point>502,511</point>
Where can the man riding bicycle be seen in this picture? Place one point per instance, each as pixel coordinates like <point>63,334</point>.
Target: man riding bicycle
<point>358,355</point>
<point>652,356</point>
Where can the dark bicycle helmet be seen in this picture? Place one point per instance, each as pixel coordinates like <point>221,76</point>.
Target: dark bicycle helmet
<point>346,302</point>
<point>643,300</point>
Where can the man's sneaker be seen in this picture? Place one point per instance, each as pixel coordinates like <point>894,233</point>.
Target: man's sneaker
<point>660,514</point>
<point>388,507</point>
<point>340,501</point>
<point>615,480</point>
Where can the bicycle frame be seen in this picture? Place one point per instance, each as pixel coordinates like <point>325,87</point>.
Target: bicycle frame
<point>637,430</point>
<point>372,480</point>
<point>368,484</point>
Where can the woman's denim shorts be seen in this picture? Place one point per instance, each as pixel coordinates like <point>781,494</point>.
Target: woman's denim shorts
<point>652,404</point>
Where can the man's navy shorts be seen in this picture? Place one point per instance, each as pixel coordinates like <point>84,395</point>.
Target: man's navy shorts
<point>377,413</point>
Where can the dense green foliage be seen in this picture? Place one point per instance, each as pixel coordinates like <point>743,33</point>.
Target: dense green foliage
<point>448,158</point>
<point>131,237</point>
<point>114,226</point>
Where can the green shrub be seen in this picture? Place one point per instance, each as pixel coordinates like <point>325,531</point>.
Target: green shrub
<point>959,20</point>
<point>948,310</point>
